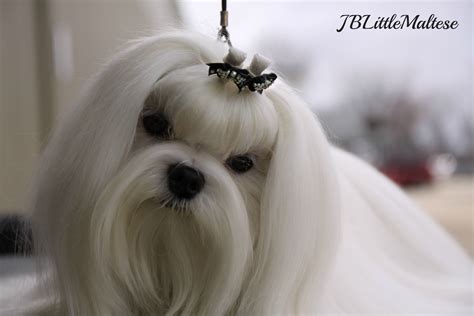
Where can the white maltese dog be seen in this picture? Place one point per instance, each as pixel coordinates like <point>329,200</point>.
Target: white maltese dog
<point>179,188</point>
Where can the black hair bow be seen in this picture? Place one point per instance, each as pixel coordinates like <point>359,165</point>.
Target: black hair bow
<point>242,77</point>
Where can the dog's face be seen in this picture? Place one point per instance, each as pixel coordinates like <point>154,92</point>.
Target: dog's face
<point>218,142</point>
<point>185,205</point>
<point>169,191</point>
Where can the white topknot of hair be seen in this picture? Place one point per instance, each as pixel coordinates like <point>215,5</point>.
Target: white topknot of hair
<point>259,64</point>
<point>235,57</point>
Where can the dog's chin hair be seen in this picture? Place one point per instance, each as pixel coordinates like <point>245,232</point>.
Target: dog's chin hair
<point>166,261</point>
<point>180,206</point>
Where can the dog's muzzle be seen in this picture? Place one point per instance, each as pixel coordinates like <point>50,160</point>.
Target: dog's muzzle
<point>185,182</point>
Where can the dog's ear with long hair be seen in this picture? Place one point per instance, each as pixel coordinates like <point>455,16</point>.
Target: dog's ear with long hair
<point>89,146</point>
<point>299,217</point>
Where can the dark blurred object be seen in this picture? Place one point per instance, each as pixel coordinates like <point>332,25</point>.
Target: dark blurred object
<point>15,236</point>
<point>408,174</point>
<point>412,138</point>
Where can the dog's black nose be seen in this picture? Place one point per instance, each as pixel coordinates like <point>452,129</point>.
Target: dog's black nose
<point>185,182</point>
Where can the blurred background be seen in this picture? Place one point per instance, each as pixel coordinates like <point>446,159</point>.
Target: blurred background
<point>400,99</point>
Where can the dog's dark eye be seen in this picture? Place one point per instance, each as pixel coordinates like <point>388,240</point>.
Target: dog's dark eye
<point>157,125</point>
<point>240,164</point>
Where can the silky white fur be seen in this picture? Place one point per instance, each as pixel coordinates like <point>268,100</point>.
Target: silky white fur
<point>309,229</point>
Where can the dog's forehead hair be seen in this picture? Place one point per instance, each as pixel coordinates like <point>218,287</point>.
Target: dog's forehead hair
<point>212,113</point>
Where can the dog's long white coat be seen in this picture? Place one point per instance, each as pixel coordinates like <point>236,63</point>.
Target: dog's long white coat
<point>312,230</point>
<point>394,259</point>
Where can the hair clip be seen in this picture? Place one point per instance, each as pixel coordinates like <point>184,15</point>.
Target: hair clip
<point>242,78</point>
<point>261,82</point>
<point>226,71</point>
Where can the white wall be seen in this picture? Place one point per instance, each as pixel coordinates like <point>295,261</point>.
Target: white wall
<point>48,49</point>
<point>19,107</point>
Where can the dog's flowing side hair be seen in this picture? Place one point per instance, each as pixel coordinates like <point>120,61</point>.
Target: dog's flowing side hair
<point>99,260</point>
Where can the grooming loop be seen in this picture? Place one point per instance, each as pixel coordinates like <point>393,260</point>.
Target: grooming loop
<point>223,34</point>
